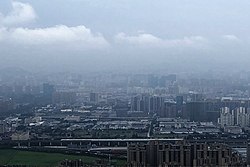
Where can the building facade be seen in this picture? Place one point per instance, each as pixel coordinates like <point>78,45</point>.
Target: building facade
<point>181,153</point>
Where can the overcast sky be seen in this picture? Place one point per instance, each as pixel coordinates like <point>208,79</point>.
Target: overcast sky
<point>126,35</point>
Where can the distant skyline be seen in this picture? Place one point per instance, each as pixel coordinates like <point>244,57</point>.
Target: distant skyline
<point>125,35</point>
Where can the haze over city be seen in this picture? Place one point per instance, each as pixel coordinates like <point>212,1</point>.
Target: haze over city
<point>124,83</point>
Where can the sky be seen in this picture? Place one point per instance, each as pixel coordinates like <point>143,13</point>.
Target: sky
<point>125,35</point>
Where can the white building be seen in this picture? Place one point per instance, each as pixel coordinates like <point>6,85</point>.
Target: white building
<point>239,116</point>
<point>226,117</point>
<point>242,116</point>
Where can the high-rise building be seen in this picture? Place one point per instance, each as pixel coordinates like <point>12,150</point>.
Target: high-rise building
<point>156,103</point>
<point>196,111</point>
<point>239,116</point>
<point>135,103</point>
<point>196,97</point>
<point>146,103</point>
<point>179,101</point>
<point>181,153</point>
<point>169,110</point>
<point>242,116</point>
<point>226,117</point>
<point>94,97</point>
<point>162,81</point>
<point>64,97</point>
<point>248,154</point>
<point>48,89</point>
<point>152,81</point>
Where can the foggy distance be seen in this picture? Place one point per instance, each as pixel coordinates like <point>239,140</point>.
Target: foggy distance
<point>124,83</point>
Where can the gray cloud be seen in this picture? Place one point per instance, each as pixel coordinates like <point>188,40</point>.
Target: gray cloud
<point>177,34</point>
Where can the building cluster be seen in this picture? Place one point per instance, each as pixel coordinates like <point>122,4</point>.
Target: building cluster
<point>124,125</point>
<point>181,153</point>
<point>239,116</point>
<point>134,106</point>
<point>183,126</point>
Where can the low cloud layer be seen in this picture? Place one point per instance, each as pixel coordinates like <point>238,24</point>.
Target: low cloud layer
<point>58,35</point>
<point>149,40</point>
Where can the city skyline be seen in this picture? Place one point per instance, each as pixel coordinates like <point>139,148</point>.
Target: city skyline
<point>124,83</point>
